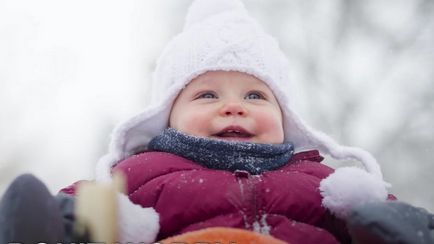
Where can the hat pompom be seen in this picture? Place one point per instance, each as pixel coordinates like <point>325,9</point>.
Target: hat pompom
<point>202,9</point>
<point>348,187</point>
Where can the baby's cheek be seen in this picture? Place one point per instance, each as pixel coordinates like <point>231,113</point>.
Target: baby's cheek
<point>271,125</point>
<point>196,125</point>
<point>269,120</point>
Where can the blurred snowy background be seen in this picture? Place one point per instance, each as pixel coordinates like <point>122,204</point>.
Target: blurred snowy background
<point>71,70</point>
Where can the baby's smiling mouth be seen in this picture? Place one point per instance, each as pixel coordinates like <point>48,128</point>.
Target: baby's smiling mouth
<point>233,132</point>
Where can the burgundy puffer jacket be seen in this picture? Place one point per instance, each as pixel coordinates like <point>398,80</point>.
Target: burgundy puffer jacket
<point>285,203</point>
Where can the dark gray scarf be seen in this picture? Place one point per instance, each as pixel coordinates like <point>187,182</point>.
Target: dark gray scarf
<point>224,155</point>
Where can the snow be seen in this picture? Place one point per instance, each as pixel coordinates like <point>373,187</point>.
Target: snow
<point>261,226</point>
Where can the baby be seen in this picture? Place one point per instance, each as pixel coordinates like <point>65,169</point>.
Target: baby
<point>220,143</point>
<point>221,146</point>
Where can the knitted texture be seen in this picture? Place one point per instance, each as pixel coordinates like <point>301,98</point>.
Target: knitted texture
<point>230,40</point>
<point>254,158</point>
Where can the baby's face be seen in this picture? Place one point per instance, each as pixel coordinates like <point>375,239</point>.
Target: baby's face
<point>228,105</point>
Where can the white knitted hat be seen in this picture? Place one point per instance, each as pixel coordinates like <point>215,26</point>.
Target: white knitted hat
<point>220,35</point>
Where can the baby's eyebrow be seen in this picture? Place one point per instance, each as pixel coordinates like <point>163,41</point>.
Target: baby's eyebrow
<point>204,86</point>
<point>260,87</point>
<point>195,91</point>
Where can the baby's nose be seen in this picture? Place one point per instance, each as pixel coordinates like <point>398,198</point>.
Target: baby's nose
<point>233,108</point>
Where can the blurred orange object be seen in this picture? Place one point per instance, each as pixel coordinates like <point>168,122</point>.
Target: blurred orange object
<point>222,235</point>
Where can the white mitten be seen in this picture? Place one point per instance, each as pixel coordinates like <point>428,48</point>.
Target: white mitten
<point>348,187</point>
<point>136,224</point>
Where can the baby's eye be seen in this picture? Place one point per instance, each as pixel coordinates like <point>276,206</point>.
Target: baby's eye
<point>254,95</point>
<point>207,95</point>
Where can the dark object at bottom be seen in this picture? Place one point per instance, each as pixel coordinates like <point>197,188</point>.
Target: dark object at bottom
<point>391,222</point>
<point>29,213</point>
